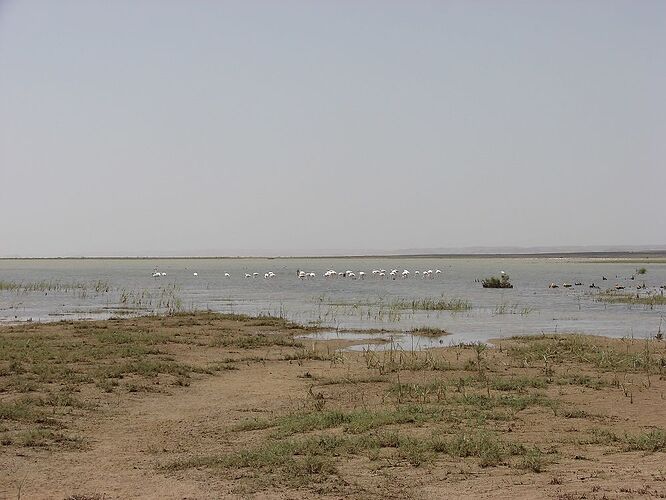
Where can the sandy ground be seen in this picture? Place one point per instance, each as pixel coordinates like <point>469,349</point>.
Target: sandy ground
<point>131,437</point>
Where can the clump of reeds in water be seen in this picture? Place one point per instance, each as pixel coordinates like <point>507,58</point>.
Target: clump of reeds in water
<point>512,309</point>
<point>428,331</point>
<point>427,304</point>
<point>164,299</point>
<point>614,297</point>
<point>495,282</point>
<point>44,286</point>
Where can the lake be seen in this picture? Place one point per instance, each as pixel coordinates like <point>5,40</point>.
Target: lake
<point>56,289</point>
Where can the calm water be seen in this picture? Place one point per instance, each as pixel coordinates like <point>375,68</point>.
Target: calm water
<point>127,286</point>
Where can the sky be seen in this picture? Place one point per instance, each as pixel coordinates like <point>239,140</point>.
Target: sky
<point>260,127</point>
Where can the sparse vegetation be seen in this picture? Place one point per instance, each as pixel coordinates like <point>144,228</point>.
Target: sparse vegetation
<point>43,367</point>
<point>340,423</point>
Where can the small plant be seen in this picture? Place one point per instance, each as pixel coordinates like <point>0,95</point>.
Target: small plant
<point>641,270</point>
<point>532,460</point>
<point>652,441</point>
<point>480,349</point>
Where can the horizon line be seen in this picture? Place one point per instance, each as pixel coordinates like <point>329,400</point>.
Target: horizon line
<point>544,254</point>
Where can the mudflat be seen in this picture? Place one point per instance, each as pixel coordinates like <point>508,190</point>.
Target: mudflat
<point>206,405</point>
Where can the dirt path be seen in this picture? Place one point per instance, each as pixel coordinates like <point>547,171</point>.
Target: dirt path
<point>128,444</point>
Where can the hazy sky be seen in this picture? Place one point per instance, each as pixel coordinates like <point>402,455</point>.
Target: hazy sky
<point>133,127</point>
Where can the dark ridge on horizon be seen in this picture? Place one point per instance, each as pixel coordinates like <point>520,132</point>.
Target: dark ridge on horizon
<point>626,254</point>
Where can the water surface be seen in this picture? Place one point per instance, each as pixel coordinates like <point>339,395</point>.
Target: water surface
<point>531,307</point>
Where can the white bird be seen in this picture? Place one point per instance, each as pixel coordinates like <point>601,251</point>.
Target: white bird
<point>156,274</point>
<point>271,274</point>
<point>254,275</point>
<point>438,271</point>
<point>351,275</point>
<point>195,274</point>
<point>248,275</point>
<point>266,276</point>
<point>361,274</point>
<point>417,272</point>
<point>301,274</point>
<point>405,273</point>
<point>311,275</point>
<point>163,274</point>
<point>227,275</point>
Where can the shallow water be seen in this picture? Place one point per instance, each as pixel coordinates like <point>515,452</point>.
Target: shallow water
<point>342,303</point>
<point>380,341</point>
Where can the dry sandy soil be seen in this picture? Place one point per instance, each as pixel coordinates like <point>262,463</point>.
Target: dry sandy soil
<point>213,406</point>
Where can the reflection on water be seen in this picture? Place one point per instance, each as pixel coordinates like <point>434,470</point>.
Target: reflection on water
<point>99,288</point>
<point>380,341</point>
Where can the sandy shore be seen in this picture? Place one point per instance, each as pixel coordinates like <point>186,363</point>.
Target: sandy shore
<point>215,406</point>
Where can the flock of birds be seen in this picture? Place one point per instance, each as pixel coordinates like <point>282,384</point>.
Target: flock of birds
<point>392,274</point>
<point>332,273</point>
<point>380,273</point>
<point>617,286</point>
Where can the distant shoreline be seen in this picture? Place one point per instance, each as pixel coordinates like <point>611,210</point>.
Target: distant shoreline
<point>619,255</point>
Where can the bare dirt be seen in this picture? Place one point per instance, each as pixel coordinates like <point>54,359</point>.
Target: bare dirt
<point>165,436</point>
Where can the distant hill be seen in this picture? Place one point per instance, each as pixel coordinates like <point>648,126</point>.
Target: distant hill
<point>546,251</point>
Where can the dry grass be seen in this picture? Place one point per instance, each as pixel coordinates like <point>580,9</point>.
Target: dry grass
<point>51,374</point>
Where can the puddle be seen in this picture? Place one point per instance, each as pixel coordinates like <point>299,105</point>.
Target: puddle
<point>382,341</point>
